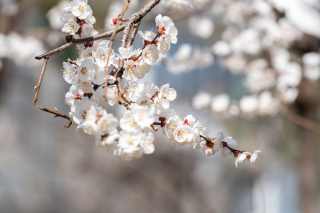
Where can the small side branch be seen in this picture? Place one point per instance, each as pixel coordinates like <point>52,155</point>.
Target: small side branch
<point>124,104</point>
<point>154,127</point>
<point>58,114</point>
<point>40,80</point>
<point>133,34</point>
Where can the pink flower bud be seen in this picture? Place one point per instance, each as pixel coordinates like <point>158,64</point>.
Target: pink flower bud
<point>114,21</point>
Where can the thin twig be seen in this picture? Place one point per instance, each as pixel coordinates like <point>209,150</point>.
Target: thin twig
<point>72,62</point>
<point>58,114</point>
<point>110,49</point>
<point>154,127</point>
<point>121,93</point>
<point>124,104</point>
<point>152,42</point>
<point>40,81</point>
<point>210,143</point>
<point>133,34</point>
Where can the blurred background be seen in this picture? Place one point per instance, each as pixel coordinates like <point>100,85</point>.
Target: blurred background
<point>45,167</point>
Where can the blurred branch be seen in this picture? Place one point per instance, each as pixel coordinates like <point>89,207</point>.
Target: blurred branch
<point>58,114</point>
<point>23,4</point>
<point>297,119</point>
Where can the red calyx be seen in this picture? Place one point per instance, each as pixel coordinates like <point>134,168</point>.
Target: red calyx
<point>210,143</point>
<point>186,122</point>
<point>161,29</point>
<point>146,42</point>
<point>162,119</point>
<point>114,21</point>
<point>136,63</point>
<point>77,97</point>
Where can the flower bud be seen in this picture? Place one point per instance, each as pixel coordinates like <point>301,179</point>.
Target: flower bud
<point>114,21</point>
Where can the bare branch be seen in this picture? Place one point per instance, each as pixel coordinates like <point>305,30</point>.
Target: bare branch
<point>58,114</point>
<point>133,34</point>
<point>124,104</point>
<point>40,81</point>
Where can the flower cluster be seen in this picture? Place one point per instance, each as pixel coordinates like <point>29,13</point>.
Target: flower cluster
<point>148,105</point>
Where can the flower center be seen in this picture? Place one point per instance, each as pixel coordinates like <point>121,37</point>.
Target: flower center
<point>140,117</point>
<point>71,27</point>
<point>130,141</point>
<point>148,55</point>
<point>161,29</point>
<point>84,115</point>
<point>181,133</point>
<point>81,9</point>
<point>130,70</point>
<point>103,57</point>
<point>132,123</point>
<point>105,125</point>
<point>84,71</point>
<point>144,103</point>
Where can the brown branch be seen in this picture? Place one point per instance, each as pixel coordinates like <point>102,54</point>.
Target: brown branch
<point>72,62</point>
<point>124,104</point>
<point>297,119</point>
<point>121,92</point>
<point>58,114</point>
<point>154,127</point>
<point>133,34</point>
<point>78,41</point>
<point>110,50</point>
<point>40,81</point>
<point>135,18</point>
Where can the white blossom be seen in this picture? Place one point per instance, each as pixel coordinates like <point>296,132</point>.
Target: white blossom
<point>80,109</point>
<point>129,141</point>
<point>101,56</point>
<point>225,151</point>
<point>150,54</point>
<point>165,95</point>
<point>70,74</point>
<point>147,36</point>
<point>80,8</point>
<point>146,143</point>
<point>254,158</point>
<point>86,70</point>
<point>242,157</point>
<point>129,122</point>
<point>71,27</point>
<point>218,141</point>
<point>163,23</point>
<point>142,116</point>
